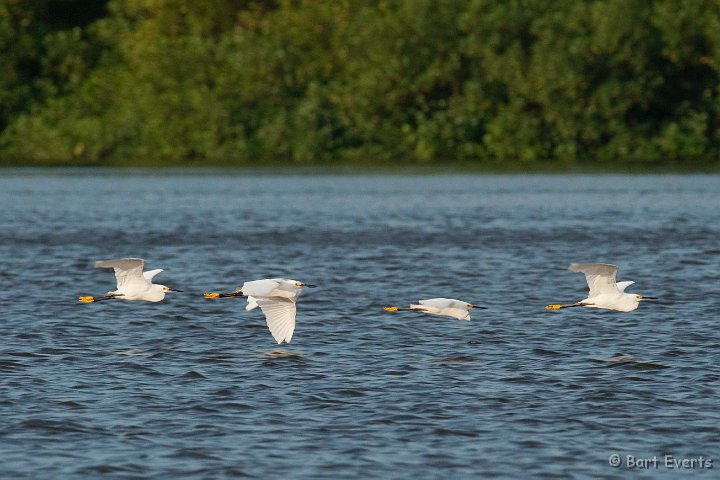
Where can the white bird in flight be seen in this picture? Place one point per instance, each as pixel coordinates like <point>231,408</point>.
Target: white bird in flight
<point>276,297</point>
<point>605,291</point>
<point>132,282</point>
<point>446,307</point>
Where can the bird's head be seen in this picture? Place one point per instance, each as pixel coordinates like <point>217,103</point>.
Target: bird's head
<point>166,289</point>
<point>643,297</point>
<point>470,305</point>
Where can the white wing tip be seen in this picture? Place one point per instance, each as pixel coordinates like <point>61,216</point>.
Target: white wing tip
<point>279,339</point>
<point>623,285</point>
<point>251,304</point>
<point>112,262</point>
<point>581,267</point>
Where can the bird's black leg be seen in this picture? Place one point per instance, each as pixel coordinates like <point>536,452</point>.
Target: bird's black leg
<point>91,299</point>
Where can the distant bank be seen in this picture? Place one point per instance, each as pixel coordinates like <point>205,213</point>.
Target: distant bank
<point>490,85</point>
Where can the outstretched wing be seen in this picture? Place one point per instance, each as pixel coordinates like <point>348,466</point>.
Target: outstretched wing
<point>260,288</point>
<point>251,303</point>
<point>280,316</point>
<point>128,271</point>
<point>150,274</point>
<point>445,303</point>
<point>600,277</point>
<point>459,313</point>
<point>437,302</point>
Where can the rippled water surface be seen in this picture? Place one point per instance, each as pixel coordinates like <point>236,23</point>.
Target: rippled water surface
<point>193,388</point>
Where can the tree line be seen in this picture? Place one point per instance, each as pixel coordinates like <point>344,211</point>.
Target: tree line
<point>497,83</point>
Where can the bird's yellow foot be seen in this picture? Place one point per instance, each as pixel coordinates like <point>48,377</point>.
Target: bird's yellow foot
<point>553,307</point>
<point>391,309</point>
<point>212,295</point>
<point>86,299</point>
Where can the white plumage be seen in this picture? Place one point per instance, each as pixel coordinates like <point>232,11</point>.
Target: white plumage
<point>605,292</point>
<point>446,307</point>
<point>276,297</point>
<point>132,282</point>
<point>280,317</point>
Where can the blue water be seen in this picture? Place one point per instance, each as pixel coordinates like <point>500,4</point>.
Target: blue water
<point>196,389</point>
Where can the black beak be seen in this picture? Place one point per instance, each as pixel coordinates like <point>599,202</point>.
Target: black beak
<point>308,285</point>
<point>649,298</point>
<point>173,290</point>
<point>478,306</point>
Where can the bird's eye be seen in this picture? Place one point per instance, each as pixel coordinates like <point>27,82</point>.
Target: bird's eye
<point>639,297</point>
<point>298,284</point>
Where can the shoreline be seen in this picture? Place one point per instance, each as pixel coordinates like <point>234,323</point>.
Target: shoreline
<point>372,169</point>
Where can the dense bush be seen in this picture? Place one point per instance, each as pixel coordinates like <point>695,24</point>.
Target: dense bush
<point>496,83</point>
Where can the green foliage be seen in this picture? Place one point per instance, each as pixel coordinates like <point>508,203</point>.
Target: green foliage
<point>500,83</point>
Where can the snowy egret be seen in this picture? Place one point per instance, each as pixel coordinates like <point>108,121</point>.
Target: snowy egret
<point>132,282</point>
<point>446,307</point>
<point>605,292</point>
<point>276,297</point>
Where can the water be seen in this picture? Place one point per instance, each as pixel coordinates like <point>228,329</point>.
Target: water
<point>192,388</point>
